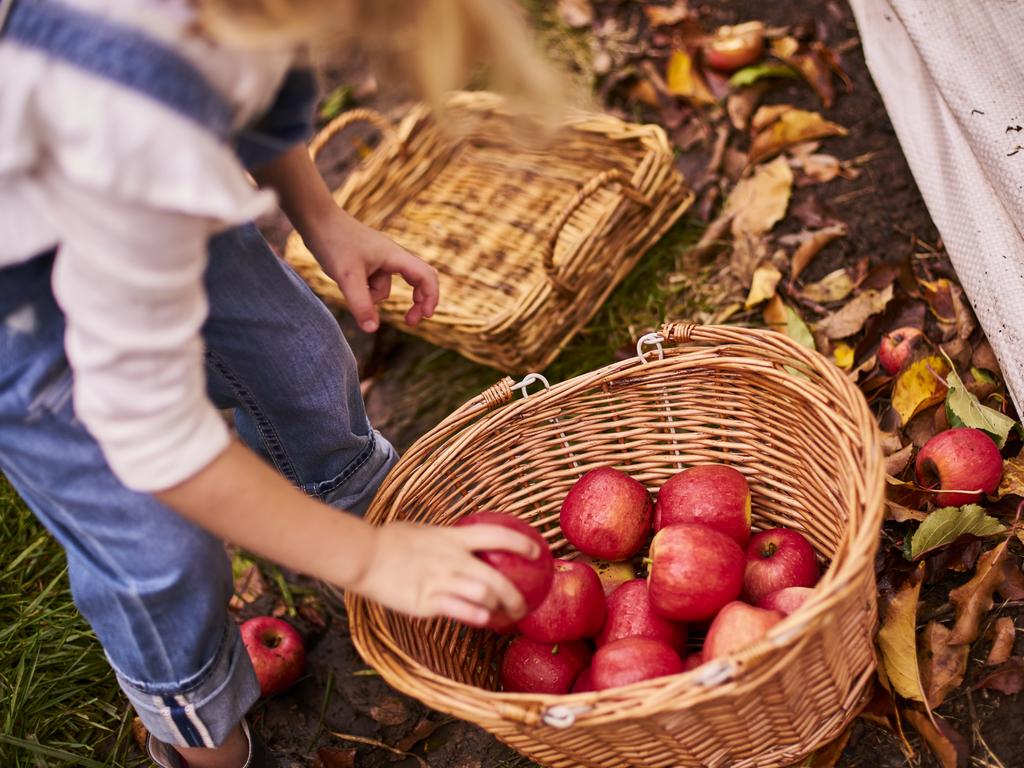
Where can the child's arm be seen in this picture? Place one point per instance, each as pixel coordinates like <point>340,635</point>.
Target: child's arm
<point>360,259</point>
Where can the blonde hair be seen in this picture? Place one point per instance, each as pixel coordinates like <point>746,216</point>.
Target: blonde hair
<point>437,45</point>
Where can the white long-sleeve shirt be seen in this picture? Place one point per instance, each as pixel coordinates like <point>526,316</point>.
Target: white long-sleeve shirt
<point>131,191</point>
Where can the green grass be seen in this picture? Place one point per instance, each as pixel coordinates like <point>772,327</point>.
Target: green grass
<point>59,701</point>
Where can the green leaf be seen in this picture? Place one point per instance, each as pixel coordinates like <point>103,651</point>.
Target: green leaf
<point>334,102</point>
<point>946,525</point>
<point>750,75</point>
<point>797,329</point>
<point>963,409</point>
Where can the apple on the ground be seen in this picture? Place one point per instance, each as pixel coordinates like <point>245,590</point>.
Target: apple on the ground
<point>630,614</point>
<point>896,347</point>
<point>573,609</point>
<point>776,559</point>
<point>534,667</point>
<point>715,495</point>
<point>607,514</point>
<point>694,571</point>
<point>737,627</point>
<point>276,650</point>
<point>735,47</point>
<point>964,463</point>
<point>612,575</point>
<point>631,660</point>
<point>531,577</point>
<point>786,600</point>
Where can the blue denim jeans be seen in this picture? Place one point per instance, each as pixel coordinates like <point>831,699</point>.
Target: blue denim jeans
<point>153,586</point>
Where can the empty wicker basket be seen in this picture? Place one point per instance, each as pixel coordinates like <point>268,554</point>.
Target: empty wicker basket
<point>783,415</point>
<point>527,243</point>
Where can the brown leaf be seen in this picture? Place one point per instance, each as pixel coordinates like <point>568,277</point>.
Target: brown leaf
<point>139,733</point>
<point>897,462</point>
<point>973,599</point>
<point>1004,634</point>
<point>249,585</point>
<point>1012,483</point>
<point>1011,584</point>
<point>810,247</point>
<point>424,728</point>
<point>643,92</point>
<point>666,15</point>
<point>1008,679</point>
<point>313,611</point>
<point>984,357</point>
<point>332,757</point>
<point>902,514</point>
<point>849,319</point>
<point>758,201</point>
<point>897,639</point>
<point>389,710</point>
<point>948,746</point>
<point>576,13</point>
<point>767,115</point>
<point>942,665</point>
<point>939,296</point>
<point>922,427</point>
<point>740,105</point>
<point>791,126</point>
<point>920,385</point>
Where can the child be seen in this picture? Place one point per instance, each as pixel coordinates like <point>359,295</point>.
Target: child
<point>136,300</point>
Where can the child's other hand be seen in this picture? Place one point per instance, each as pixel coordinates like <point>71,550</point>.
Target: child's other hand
<point>425,570</point>
<point>361,261</point>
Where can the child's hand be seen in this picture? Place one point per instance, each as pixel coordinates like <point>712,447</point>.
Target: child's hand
<point>361,261</point>
<point>425,570</point>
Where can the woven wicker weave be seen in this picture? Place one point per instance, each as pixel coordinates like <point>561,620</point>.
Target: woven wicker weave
<point>527,243</point>
<point>806,441</point>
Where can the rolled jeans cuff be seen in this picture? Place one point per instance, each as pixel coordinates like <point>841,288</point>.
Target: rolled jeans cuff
<point>355,487</point>
<point>202,710</point>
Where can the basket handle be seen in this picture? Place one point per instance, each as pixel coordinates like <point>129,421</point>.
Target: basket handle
<point>343,121</point>
<point>600,181</point>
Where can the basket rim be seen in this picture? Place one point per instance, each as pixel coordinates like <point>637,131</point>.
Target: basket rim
<point>836,583</point>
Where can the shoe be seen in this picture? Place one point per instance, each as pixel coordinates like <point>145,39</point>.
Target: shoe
<point>165,756</point>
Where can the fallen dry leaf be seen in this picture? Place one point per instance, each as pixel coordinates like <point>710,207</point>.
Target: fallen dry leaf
<point>379,745</point>
<point>139,733</point>
<point>767,115</point>
<point>1008,678</point>
<point>850,318</point>
<point>332,757</point>
<point>1011,583</point>
<point>791,126</point>
<point>576,13</point>
<point>1012,483</point>
<point>897,639</point>
<point>920,385</point>
<point>810,247</point>
<point>683,79</point>
<point>974,599</point>
<point>740,105</point>
<point>759,201</point>
<point>666,15</point>
<point>984,358</point>
<point>763,285</point>
<point>842,356</point>
<point>1004,634</point>
<point>938,294</point>
<point>943,665</point>
<point>948,746</point>
<point>901,514</point>
<point>820,168</point>
<point>897,462</point>
<point>835,286</point>
<point>781,317</point>
<point>389,710</point>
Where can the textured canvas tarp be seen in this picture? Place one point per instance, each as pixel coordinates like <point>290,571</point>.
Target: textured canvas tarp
<point>951,73</point>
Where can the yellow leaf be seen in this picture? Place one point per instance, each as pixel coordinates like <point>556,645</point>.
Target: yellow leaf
<point>835,286</point>
<point>762,287</point>
<point>682,79</point>
<point>850,318</point>
<point>775,315</point>
<point>842,355</point>
<point>897,640</point>
<point>791,127</point>
<point>1012,483</point>
<point>758,201</point>
<point>920,385</point>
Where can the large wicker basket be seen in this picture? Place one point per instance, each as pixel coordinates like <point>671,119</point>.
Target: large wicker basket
<point>783,415</point>
<point>527,243</point>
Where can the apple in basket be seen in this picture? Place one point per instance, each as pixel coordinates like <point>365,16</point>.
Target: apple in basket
<point>694,571</point>
<point>738,626</point>
<point>585,682</point>
<point>533,667</point>
<point>787,600</point>
<point>573,609</point>
<point>612,575</point>
<point>630,615</point>
<point>715,495</point>
<point>692,661</point>
<point>776,559</point>
<point>277,652</point>
<point>532,578</point>
<point>963,463</point>
<point>607,514</point>
<point>631,660</point>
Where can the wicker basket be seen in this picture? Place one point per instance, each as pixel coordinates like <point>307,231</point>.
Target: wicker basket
<point>527,244</point>
<point>809,446</point>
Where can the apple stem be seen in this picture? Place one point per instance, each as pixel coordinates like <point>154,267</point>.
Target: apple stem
<point>769,549</point>
<point>554,649</point>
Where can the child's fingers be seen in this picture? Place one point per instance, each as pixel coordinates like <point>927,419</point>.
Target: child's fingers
<point>504,590</point>
<point>481,537</point>
<point>354,285</point>
<point>380,286</point>
<point>460,610</point>
<point>423,279</point>
<point>475,591</point>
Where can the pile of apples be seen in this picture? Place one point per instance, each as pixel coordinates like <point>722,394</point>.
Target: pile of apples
<point>593,624</point>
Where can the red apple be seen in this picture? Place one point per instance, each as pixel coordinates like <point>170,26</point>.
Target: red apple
<point>896,347</point>
<point>573,609</point>
<point>276,651</point>
<point>533,667</point>
<point>787,600</point>
<point>607,514</point>
<point>584,683</point>
<point>631,660</point>
<point>736,627</point>
<point>692,661</point>
<point>612,575</point>
<point>695,570</point>
<point>963,463</point>
<point>732,48</point>
<point>630,615</point>
<point>531,577</point>
<point>713,494</point>
<point>776,559</point>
